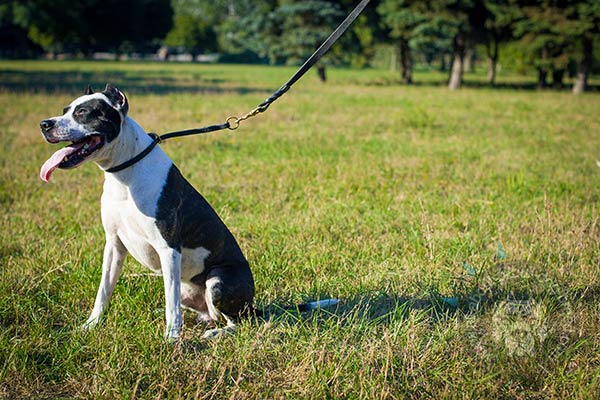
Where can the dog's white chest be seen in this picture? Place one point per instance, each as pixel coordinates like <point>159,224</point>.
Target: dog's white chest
<point>129,212</point>
<point>137,232</point>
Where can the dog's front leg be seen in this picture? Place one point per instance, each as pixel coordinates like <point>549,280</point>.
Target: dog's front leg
<point>170,260</point>
<point>114,255</point>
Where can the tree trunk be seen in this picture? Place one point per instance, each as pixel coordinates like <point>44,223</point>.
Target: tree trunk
<point>584,66</point>
<point>491,77</point>
<point>443,65</point>
<point>543,70</point>
<point>469,60</point>
<point>557,78</point>
<point>492,52</point>
<point>542,77</point>
<point>405,61</point>
<point>321,73</point>
<point>457,64</point>
<point>393,60</point>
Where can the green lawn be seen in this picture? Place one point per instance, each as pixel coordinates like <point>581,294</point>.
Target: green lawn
<point>459,229</point>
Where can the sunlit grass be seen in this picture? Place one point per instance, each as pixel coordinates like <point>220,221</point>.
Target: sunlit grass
<point>459,229</point>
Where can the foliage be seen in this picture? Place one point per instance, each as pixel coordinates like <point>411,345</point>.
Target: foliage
<point>556,36</point>
<point>304,26</point>
<point>428,35</point>
<point>191,34</point>
<point>432,39</point>
<point>222,16</point>
<point>548,35</point>
<point>95,25</point>
<point>292,31</point>
<point>545,32</point>
<point>256,31</point>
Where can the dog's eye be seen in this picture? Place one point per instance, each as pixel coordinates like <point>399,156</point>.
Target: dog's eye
<point>81,111</point>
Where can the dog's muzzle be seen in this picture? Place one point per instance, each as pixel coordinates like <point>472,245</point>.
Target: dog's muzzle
<point>81,148</point>
<point>46,126</point>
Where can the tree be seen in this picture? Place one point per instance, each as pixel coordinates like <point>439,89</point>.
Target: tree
<point>557,34</point>
<point>433,39</point>
<point>219,16</point>
<point>402,20</point>
<point>305,26</point>
<point>538,40</point>
<point>588,14</point>
<point>266,28</point>
<point>499,27</point>
<point>90,25</point>
<point>548,32</point>
<point>255,31</point>
<point>462,20</point>
<point>54,25</point>
<point>14,40</point>
<point>292,32</point>
<point>359,42</point>
<point>192,34</point>
<point>471,17</point>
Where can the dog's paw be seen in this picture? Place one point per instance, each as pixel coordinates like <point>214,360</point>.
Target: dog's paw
<point>219,332</point>
<point>172,339</point>
<point>172,335</point>
<point>90,324</point>
<point>206,320</point>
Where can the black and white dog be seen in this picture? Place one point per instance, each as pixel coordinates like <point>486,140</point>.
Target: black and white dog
<point>152,212</point>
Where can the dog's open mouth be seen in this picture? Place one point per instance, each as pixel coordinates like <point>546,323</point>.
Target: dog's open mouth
<point>72,155</point>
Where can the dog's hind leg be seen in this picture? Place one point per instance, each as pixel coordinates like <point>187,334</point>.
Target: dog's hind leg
<point>229,294</point>
<point>114,255</point>
<point>193,298</point>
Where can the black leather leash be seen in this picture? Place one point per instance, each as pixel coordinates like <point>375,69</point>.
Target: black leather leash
<point>233,123</point>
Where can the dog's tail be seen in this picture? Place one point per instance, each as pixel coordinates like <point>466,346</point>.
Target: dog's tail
<point>301,307</point>
<point>314,305</point>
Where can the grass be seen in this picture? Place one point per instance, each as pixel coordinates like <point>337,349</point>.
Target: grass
<point>460,230</point>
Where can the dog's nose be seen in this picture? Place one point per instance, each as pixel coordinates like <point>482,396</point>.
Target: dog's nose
<point>46,125</point>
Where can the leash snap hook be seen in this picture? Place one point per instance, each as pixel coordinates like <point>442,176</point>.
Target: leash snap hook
<point>233,122</point>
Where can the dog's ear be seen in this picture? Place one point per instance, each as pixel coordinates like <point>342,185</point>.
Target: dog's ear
<point>88,90</point>
<point>117,98</point>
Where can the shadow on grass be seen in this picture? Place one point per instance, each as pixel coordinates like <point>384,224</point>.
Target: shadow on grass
<point>516,86</point>
<point>383,308</point>
<point>146,82</point>
<point>531,86</point>
<point>370,308</point>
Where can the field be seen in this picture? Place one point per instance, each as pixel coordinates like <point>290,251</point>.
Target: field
<point>460,230</point>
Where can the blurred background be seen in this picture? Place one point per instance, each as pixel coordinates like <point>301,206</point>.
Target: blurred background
<point>555,43</point>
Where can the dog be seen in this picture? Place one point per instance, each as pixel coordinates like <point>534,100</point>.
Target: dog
<point>149,210</point>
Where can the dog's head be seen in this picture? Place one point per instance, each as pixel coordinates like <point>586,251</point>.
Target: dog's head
<point>90,122</point>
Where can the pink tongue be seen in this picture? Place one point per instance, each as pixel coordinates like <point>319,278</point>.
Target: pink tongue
<point>53,162</point>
